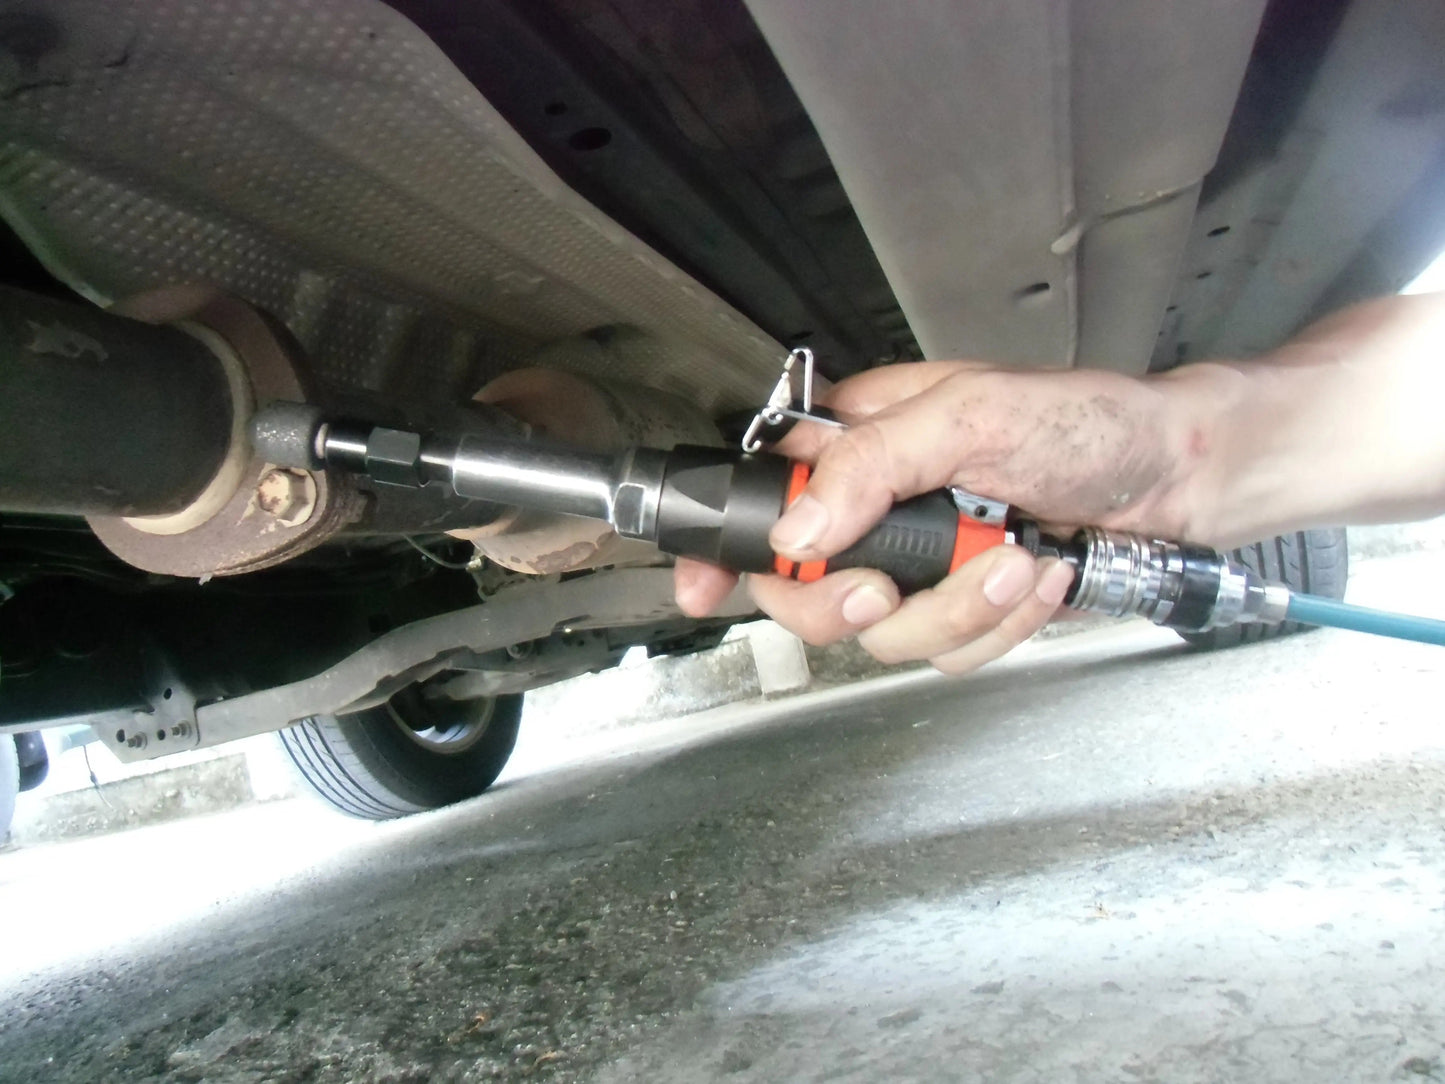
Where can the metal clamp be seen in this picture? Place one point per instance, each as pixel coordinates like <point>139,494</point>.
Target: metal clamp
<point>984,510</point>
<point>780,402</point>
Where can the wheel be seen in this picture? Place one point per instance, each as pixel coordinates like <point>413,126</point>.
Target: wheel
<point>9,783</point>
<point>408,755</point>
<point>1314,562</point>
<point>34,760</point>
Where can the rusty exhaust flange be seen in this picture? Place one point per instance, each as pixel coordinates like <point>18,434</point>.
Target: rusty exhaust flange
<point>250,516</point>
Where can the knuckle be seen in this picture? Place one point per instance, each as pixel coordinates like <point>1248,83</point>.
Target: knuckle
<point>814,633</point>
<point>971,656</point>
<point>978,646</point>
<point>855,455</point>
<point>963,620</point>
<point>955,665</point>
<point>882,651</point>
<point>1017,628</point>
<point>806,616</point>
<point>1021,625</point>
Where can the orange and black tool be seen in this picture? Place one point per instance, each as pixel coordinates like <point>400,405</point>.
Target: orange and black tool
<point>719,506</point>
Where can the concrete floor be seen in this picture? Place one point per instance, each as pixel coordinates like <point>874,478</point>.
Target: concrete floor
<point>1105,859</point>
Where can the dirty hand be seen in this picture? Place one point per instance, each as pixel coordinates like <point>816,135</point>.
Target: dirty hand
<point>1067,447</point>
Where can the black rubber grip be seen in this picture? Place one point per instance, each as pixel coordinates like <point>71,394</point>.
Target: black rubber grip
<point>719,506</point>
<point>913,545</point>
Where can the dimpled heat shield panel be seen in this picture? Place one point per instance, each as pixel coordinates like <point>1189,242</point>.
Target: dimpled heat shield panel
<point>324,161</point>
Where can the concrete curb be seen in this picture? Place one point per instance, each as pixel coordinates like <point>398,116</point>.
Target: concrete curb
<point>169,793</point>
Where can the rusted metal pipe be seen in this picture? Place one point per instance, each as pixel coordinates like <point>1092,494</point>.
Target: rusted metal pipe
<point>104,415</point>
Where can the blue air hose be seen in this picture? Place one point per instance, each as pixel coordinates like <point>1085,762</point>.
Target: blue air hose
<point>1313,610</point>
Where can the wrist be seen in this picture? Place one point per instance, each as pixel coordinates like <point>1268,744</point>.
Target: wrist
<point>1199,407</point>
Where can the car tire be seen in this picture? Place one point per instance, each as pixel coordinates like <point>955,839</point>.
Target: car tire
<point>9,783</point>
<point>1312,562</point>
<point>34,760</point>
<point>401,757</point>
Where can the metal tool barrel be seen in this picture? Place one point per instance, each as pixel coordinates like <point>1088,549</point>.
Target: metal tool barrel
<point>534,475</point>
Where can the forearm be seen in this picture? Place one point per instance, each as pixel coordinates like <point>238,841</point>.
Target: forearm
<point>1341,425</point>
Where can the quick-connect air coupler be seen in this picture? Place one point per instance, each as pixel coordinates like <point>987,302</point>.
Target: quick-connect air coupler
<point>1186,587</point>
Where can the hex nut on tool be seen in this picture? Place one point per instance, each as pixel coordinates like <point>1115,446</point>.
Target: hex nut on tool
<point>288,496</point>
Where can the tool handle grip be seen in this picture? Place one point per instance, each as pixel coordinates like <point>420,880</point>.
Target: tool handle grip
<point>718,506</point>
<point>918,543</point>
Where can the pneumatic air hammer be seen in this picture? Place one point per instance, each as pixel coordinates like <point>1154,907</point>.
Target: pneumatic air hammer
<point>718,505</point>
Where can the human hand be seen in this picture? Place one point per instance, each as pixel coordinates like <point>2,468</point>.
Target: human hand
<point>1068,447</point>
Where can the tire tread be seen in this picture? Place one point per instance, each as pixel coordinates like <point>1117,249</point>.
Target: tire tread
<point>347,764</point>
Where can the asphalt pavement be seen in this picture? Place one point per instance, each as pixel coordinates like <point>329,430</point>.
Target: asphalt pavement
<point>1107,858</point>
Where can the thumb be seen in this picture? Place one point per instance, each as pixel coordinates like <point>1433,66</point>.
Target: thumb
<point>859,475</point>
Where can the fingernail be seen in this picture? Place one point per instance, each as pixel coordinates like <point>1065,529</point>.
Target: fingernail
<point>1008,581</point>
<point>802,524</point>
<point>866,604</point>
<point>1054,582</point>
